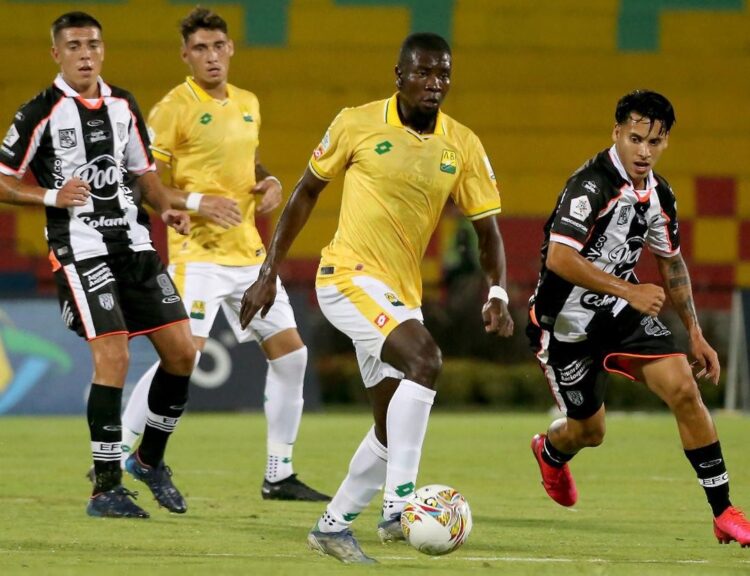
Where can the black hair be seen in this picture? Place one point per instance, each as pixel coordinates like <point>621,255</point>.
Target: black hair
<point>648,104</point>
<point>201,19</point>
<point>427,41</point>
<point>73,20</point>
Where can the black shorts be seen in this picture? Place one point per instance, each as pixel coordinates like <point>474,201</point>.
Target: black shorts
<point>129,293</point>
<point>576,372</point>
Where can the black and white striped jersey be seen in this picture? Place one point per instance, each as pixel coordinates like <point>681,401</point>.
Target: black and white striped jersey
<point>608,222</point>
<point>59,135</point>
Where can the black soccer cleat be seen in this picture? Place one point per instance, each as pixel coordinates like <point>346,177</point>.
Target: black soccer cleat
<point>115,503</point>
<point>291,489</point>
<point>159,481</point>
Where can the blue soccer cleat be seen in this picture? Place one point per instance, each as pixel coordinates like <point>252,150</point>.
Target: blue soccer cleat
<point>159,481</point>
<point>115,503</point>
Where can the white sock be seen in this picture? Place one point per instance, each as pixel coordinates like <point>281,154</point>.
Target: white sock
<point>134,416</point>
<point>283,407</point>
<point>365,479</point>
<point>406,425</point>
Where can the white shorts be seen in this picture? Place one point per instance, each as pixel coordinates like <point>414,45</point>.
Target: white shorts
<point>366,310</point>
<point>205,286</point>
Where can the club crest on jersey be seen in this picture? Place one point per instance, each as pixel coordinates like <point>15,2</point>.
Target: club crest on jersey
<point>393,299</point>
<point>590,185</point>
<point>68,138</point>
<point>623,216</point>
<point>575,397</point>
<point>448,162</point>
<point>381,320</point>
<point>122,131</point>
<point>198,310</point>
<point>107,301</point>
<point>580,208</point>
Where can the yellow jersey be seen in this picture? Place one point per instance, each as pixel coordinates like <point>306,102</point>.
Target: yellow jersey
<point>210,146</point>
<point>396,185</point>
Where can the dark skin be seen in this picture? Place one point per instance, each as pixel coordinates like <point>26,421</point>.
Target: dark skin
<point>423,80</point>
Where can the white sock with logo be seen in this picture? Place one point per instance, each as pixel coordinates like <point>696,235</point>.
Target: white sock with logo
<point>365,479</point>
<point>283,408</point>
<point>406,424</point>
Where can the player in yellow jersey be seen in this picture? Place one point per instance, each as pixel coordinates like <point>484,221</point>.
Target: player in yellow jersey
<point>403,158</point>
<point>205,138</point>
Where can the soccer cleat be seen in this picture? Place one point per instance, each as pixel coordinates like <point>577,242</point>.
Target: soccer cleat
<point>341,545</point>
<point>291,489</point>
<point>159,481</point>
<point>115,503</point>
<point>558,482</point>
<point>390,530</point>
<point>731,525</point>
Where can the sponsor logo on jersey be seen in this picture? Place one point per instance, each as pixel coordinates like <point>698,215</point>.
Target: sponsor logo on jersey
<point>171,299</point>
<point>247,117</point>
<point>383,147</point>
<point>102,174</point>
<point>11,136</point>
<point>393,299</point>
<point>489,168</point>
<point>624,216</point>
<point>97,136</point>
<point>102,221</point>
<point>20,116</point>
<point>206,118</point>
<point>67,137</point>
<point>98,277</point>
<point>107,301</point>
<point>590,186</point>
<point>574,372</point>
<point>94,123</point>
<point>575,397</point>
<point>381,320</point>
<point>67,314</point>
<point>198,310</point>
<point>595,301</point>
<point>580,208</point>
<point>448,162</point>
<point>7,151</point>
<point>323,146</point>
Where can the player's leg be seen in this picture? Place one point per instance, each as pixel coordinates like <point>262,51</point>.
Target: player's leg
<point>672,380</point>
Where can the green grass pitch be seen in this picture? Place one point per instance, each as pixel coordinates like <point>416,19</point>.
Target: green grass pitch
<point>640,510</point>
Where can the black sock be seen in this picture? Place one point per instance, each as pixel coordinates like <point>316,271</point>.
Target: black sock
<point>553,456</point>
<point>166,402</point>
<point>103,415</point>
<point>708,463</point>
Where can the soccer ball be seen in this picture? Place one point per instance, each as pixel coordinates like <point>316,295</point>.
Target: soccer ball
<point>436,519</point>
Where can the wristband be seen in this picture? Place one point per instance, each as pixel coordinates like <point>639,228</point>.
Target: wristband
<point>498,292</point>
<point>275,179</point>
<point>50,197</point>
<point>193,201</point>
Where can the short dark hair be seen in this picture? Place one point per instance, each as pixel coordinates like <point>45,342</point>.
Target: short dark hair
<point>73,20</point>
<point>201,19</point>
<point>648,104</point>
<point>427,41</point>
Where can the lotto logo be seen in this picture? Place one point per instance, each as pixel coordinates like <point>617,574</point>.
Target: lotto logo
<point>381,320</point>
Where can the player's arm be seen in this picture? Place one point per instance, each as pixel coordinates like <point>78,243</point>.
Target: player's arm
<point>567,262</point>
<point>261,295</point>
<point>495,312</point>
<point>75,192</point>
<point>268,186</point>
<point>159,197</point>
<point>676,279</point>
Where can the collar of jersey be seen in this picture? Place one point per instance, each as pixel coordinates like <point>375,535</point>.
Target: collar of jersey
<point>651,182</point>
<point>64,87</point>
<point>392,118</point>
<point>204,96</point>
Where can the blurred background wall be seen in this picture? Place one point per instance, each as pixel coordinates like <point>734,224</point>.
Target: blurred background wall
<point>537,80</point>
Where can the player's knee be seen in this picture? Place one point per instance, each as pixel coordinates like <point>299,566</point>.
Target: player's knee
<point>593,437</point>
<point>425,365</point>
<point>684,396</point>
<point>181,360</point>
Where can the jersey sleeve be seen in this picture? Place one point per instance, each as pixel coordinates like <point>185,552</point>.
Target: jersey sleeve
<point>577,210</point>
<point>476,194</point>
<point>163,129</point>
<point>663,232</point>
<point>22,139</point>
<point>138,158</point>
<point>334,151</point>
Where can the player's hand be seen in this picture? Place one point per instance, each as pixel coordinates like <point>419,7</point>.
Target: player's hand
<point>223,211</point>
<point>75,192</point>
<point>497,319</point>
<point>260,296</point>
<point>706,358</point>
<point>271,195</point>
<point>177,219</point>
<point>646,298</point>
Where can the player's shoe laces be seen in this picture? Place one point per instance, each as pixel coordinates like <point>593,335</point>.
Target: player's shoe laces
<point>115,503</point>
<point>558,482</point>
<point>389,529</point>
<point>731,525</point>
<point>291,489</point>
<point>341,545</point>
<point>159,481</point>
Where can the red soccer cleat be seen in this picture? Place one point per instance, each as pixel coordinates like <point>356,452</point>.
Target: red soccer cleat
<point>732,525</point>
<point>558,482</point>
